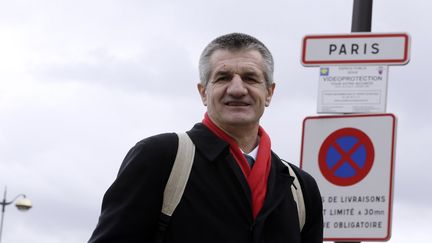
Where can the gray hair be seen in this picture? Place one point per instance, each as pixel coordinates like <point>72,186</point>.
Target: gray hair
<point>235,42</point>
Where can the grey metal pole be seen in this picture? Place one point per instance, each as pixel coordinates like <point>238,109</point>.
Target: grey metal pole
<point>3,203</point>
<point>362,16</point>
<point>361,22</point>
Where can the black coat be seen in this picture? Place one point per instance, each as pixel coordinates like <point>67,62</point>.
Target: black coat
<point>216,204</point>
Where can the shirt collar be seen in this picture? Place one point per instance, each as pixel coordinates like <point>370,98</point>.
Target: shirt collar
<point>253,153</point>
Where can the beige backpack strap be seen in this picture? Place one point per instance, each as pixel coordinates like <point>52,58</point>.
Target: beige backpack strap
<point>179,174</point>
<point>298,196</point>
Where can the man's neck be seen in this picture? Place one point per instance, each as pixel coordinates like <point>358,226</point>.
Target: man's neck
<point>246,137</point>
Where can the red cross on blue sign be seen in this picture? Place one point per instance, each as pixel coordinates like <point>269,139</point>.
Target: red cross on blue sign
<point>346,156</point>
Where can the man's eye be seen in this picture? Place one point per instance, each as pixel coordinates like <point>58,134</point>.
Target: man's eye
<point>251,79</point>
<point>222,79</point>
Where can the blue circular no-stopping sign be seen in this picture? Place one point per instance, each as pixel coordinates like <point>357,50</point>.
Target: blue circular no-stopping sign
<point>346,156</point>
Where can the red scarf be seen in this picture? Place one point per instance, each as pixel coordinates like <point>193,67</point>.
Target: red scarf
<point>258,175</point>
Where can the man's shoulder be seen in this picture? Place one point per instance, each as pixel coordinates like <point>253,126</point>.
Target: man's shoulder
<point>156,141</point>
<point>160,147</point>
<point>164,142</point>
<point>304,177</point>
<point>301,173</point>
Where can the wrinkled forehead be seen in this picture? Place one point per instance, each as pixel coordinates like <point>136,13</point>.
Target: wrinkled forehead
<point>237,61</point>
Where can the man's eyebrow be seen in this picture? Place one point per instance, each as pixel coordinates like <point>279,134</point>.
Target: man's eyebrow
<point>222,73</point>
<point>251,73</point>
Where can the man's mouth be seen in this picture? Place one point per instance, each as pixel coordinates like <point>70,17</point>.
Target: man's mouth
<point>236,103</point>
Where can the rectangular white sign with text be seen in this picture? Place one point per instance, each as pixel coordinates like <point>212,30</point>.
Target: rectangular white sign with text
<point>352,89</point>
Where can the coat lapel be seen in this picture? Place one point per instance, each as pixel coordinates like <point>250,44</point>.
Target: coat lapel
<point>278,187</point>
<point>215,149</point>
<point>242,181</point>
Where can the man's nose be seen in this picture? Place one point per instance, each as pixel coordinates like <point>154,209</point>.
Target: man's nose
<point>237,87</point>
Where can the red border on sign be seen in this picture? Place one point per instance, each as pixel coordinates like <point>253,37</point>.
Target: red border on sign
<point>387,237</point>
<point>402,61</point>
<point>328,173</point>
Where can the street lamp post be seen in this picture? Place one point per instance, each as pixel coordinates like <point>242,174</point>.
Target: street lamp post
<point>22,204</point>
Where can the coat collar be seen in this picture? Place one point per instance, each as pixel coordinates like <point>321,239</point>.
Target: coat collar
<point>214,149</point>
<point>206,142</point>
<point>279,181</point>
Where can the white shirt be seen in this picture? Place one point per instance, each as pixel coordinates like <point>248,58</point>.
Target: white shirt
<point>253,153</point>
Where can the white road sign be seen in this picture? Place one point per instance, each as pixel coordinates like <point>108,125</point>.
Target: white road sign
<point>355,48</point>
<point>352,89</point>
<point>352,159</point>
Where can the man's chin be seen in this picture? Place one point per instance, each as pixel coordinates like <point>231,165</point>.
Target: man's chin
<point>240,121</point>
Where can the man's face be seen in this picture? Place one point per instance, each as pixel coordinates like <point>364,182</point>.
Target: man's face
<point>236,93</point>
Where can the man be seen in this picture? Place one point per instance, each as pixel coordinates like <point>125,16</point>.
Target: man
<point>226,199</point>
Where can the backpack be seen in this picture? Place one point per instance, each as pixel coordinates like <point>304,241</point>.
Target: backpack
<point>180,174</point>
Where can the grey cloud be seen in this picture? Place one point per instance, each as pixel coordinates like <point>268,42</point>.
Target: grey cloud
<point>160,70</point>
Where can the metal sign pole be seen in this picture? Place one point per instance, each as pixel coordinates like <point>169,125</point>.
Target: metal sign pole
<point>361,22</point>
<point>362,16</point>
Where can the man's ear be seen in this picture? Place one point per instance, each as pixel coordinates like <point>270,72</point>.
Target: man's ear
<point>270,91</point>
<point>202,92</point>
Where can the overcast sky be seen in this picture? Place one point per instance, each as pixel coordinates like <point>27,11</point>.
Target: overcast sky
<point>82,81</point>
